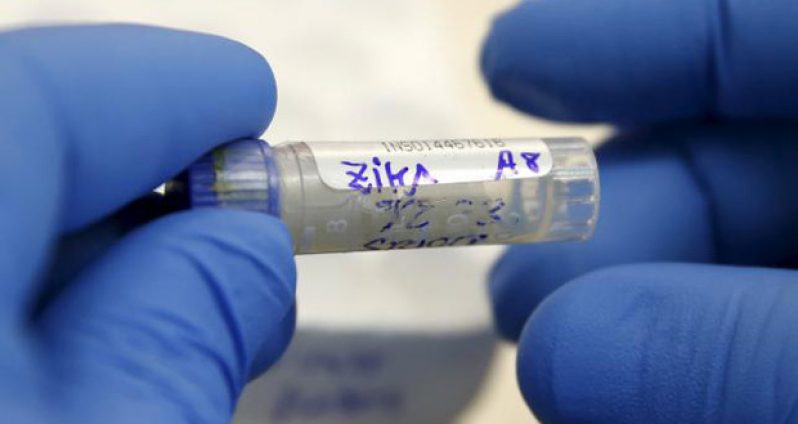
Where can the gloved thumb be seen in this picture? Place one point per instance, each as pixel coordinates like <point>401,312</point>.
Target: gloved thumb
<point>171,323</point>
<point>665,344</point>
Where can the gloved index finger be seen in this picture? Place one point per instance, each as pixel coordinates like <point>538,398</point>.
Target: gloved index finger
<point>94,116</point>
<point>130,106</point>
<point>631,63</point>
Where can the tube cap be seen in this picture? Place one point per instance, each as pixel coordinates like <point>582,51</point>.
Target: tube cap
<point>239,175</point>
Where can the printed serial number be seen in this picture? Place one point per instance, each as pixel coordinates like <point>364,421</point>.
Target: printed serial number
<point>429,146</point>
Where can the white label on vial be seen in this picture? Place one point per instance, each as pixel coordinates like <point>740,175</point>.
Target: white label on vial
<point>371,166</point>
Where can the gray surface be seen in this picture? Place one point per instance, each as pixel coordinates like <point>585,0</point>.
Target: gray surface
<point>366,377</point>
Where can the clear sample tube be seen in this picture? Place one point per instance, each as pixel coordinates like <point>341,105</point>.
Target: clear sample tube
<point>351,196</point>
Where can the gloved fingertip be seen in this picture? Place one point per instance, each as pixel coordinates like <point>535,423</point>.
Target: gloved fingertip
<point>276,345</point>
<point>526,275</point>
<point>257,74</point>
<point>663,343</point>
<point>520,64</point>
<point>517,284</point>
<point>263,238</point>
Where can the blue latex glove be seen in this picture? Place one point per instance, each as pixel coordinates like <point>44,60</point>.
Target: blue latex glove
<point>168,323</point>
<point>609,332</point>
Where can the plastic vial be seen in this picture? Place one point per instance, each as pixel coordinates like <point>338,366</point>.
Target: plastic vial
<point>351,196</point>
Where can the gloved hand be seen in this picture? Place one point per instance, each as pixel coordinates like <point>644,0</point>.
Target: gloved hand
<point>168,323</point>
<point>676,311</point>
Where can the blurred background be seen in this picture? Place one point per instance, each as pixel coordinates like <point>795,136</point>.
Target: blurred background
<point>382,337</point>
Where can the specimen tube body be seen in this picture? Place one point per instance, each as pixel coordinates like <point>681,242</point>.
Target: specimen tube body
<point>349,196</point>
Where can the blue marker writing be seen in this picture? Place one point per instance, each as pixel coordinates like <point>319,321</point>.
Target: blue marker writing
<point>361,182</point>
<point>507,163</point>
